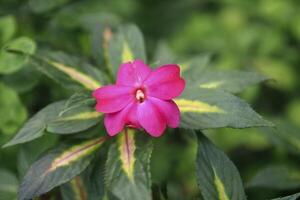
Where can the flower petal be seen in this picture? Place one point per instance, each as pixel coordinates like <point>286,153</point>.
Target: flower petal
<point>113,98</point>
<point>115,122</point>
<point>133,73</point>
<point>151,119</point>
<point>165,82</point>
<point>169,109</point>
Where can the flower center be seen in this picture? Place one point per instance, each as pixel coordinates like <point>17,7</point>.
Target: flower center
<point>140,95</point>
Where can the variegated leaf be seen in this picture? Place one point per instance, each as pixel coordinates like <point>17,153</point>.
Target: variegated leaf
<point>69,71</point>
<point>127,169</point>
<point>127,44</point>
<point>89,185</point>
<point>279,177</point>
<point>230,81</point>
<point>205,108</point>
<point>77,115</point>
<point>57,167</point>
<point>217,176</point>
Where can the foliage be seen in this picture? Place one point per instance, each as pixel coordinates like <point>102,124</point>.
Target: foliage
<point>54,54</point>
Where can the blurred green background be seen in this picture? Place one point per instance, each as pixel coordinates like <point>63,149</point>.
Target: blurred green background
<point>259,35</point>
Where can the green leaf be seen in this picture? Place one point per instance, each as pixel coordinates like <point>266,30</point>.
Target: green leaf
<point>74,190</point>
<point>276,177</point>
<point>57,167</point>
<point>197,72</point>
<point>23,80</point>
<point>88,186</point>
<point>65,70</point>
<point>230,81</point>
<point>40,6</point>
<point>12,108</point>
<point>205,108</point>
<point>193,68</point>
<point>163,54</point>
<point>77,100</point>
<point>74,120</point>
<point>8,185</point>
<point>28,153</point>
<point>127,168</point>
<point>101,35</point>
<point>70,71</point>
<point>35,126</point>
<point>217,176</point>
<point>126,45</point>
<point>77,115</point>
<point>291,197</point>
<point>10,62</point>
<point>7,28</point>
<point>284,135</point>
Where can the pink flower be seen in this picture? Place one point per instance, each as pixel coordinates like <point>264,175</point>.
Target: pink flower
<point>141,98</point>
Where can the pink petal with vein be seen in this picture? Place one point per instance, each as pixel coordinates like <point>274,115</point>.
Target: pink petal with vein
<point>133,73</point>
<point>151,119</point>
<point>165,82</point>
<point>169,109</point>
<point>113,98</point>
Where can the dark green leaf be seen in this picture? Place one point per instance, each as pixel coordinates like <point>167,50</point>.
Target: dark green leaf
<point>284,135</point>
<point>218,178</point>
<point>230,81</point>
<point>127,173</point>
<point>74,120</point>
<point>205,108</point>
<point>69,71</point>
<point>28,152</point>
<point>57,167</point>
<point>276,177</point>
<point>75,189</point>
<point>88,186</point>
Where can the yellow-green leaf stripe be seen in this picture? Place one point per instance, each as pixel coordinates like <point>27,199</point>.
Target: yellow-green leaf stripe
<point>127,148</point>
<point>186,105</point>
<point>78,188</point>
<point>220,187</point>
<point>212,85</point>
<point>75,153</point>
<point>82,116</point>
<point>126,53</point>
<point>87,81</point>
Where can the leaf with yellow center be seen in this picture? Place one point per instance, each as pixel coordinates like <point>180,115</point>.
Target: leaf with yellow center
<point>58,167</point>
<point>186,105</point>
<point>85,80</point>
<point>75,153</point>
<point>220,187</point>
<point>212,85</point>
<point>127,53</point>
<point>127,149</point>
<point>127,172</point>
